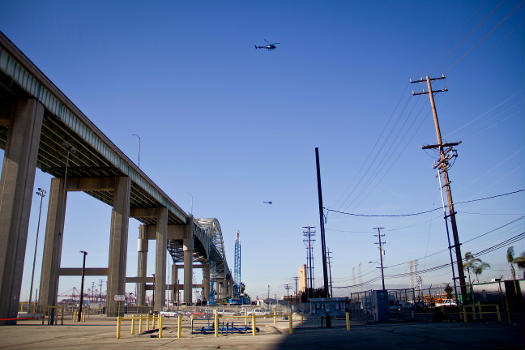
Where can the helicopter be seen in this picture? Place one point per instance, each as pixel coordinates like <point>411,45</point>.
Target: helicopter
<point>267,46</point>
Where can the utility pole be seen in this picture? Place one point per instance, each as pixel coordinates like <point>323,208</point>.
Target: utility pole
<point>84,253</point>
<point>380,242</point>
<point>330,269</point>
<point>308,234</point>
<point>323,241</point>
<point>287,287</point>
<point>321,221</point>
<point>446,154</point>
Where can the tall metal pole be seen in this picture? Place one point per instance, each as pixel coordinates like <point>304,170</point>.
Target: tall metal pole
<point>82,285</point>
<point>41,193</point>
<point>321,221</point>
<point>69,149</point>
<point>448,238</point>
<point>323,241</point>
<point>330,269</point>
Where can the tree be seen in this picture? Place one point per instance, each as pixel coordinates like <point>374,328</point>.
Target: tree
<point>519,261</point>
<point>448,291</point>
<point>475,264</point>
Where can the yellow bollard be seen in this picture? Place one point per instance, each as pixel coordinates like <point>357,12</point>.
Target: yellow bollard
<point>465,319</point>
<point>216,323</point>
<point>43,315</point>
<point>413,314</point>
<point>140,323</point>
<point>302,318</point>
<point>245,317</point>
<point>479,310</point>
<point>290,322</point>
<point>154,321</point>
<point>160,326</point>
<point>75,316</point>
<point>147,323</point>
<point>253,324</point>
<point>83,316</point>
<point>274,316</point>
<point>179,326</point>
<point>132,324</point>
<point>118,327</point>
<point>348,321</point>
<point>498,312</point>
<point>62,316</point>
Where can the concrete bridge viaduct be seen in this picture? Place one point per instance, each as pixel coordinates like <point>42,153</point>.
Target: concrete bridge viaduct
<point>40,127</point>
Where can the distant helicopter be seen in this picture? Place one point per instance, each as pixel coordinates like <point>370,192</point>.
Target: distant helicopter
<point>267,202</point>
<point>268,46</point>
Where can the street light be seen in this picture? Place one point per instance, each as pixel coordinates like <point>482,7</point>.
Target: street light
<point>138,137</point>
<point>82,285</point>
<point>42,193</point>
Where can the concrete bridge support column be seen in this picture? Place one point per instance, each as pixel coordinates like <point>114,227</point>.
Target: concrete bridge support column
<point>174,281</point>
<point>118,243</point>
<point>18,176</point>
<point>187,245</point>
<point>142,264</point>
<point>206,281</point>
<point>53,243</point>
<point>161,234</point>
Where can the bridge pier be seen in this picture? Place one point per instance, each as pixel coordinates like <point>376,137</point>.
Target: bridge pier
<point>174,282</point>
<point>206,280</point>
<point>187,246</point>
<point>118,243</point>
<point>142,264</point>
<point>161,232</point>
<point>24,124</point>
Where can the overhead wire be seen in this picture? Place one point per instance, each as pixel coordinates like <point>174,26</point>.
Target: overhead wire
<point>450,67</point>
<point>425,211</point>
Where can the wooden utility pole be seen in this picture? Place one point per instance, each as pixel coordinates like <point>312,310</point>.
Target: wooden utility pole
<point>380,242</point>
<point>446,153</point>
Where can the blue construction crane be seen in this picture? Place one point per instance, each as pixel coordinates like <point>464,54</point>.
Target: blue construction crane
<point>238,297</point>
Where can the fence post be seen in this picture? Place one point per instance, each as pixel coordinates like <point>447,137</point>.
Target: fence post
<point>479,310</point>
<point>118,327</point>
<point>246,317</point>
<point>498,311</point>
<point>43,314</point>
<point>274,316</point>
<point>179,326</point>
<point>348,321</point>
<point>216,323</point>
<point>253,324</point>
<point>290,321</point>
<point>465,314</point>
<point>62,316</point>
<point>160,325</point>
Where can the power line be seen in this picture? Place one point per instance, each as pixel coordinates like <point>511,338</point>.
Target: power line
<point>488,250</point>
<point>424,211</point>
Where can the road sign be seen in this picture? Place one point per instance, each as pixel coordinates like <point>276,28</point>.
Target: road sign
<point>119,298</point>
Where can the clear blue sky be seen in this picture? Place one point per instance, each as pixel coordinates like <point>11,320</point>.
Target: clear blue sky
<point>232,126</point>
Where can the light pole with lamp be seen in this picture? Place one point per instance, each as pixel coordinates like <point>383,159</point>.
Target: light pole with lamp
<point>82,285</point>
<point>42,193</point>
<point>69,150</point>
<point>138,137</point>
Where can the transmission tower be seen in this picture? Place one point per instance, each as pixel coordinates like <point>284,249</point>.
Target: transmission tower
<point>447,155</point>
<point>308,234</point>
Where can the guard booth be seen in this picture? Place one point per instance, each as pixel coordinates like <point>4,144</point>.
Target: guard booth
<point>328,306</point>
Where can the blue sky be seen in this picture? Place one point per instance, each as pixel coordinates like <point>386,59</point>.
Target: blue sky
<point>231,126</point>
